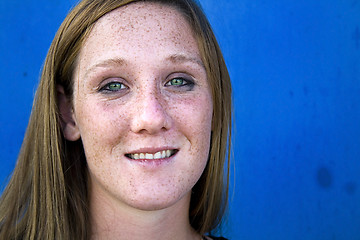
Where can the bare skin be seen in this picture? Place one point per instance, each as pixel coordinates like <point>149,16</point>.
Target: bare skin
<point>143,110</point>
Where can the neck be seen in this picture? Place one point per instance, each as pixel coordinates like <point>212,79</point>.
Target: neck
<point>116,220</point>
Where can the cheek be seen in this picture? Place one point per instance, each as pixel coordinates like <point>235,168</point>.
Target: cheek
<point>194,115</point>
<point>194,121</point>
<point>99,125</point>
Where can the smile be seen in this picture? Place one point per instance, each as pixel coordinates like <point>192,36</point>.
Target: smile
<point>151,156</point>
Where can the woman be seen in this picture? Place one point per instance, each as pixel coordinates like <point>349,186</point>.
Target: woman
<point>129,131</point>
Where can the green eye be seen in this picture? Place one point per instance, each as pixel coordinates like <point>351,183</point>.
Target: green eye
<point>176,82</point>
<point>114,86</point>
<point>180,84</point>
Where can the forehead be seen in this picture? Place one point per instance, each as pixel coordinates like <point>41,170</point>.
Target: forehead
<point>150,27</point>
<point>131,15</point>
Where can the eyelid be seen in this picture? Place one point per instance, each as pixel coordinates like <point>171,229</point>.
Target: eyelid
<point>186,77</point>
<point>187,82</point>
<point>108,81</point>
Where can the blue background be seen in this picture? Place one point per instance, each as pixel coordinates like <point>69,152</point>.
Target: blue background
<point>295,68</point>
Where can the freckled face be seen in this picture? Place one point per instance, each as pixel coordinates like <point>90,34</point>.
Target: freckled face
<point>143,107</point>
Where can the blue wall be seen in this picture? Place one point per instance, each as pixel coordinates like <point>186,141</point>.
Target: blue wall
<point>295,68</point>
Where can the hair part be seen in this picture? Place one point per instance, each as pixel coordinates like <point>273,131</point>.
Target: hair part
<point>46,197</point>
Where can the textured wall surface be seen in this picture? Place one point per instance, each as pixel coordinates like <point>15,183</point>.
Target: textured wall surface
<point>295,68</point>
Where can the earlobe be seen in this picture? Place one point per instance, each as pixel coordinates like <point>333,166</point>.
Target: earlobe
<point>68,122</point>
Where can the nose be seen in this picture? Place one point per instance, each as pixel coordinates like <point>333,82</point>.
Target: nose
<point>150,114</point>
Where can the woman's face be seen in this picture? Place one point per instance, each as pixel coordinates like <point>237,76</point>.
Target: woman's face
<point>143,107</point>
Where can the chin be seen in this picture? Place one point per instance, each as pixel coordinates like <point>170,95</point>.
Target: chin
<point>158,202</point>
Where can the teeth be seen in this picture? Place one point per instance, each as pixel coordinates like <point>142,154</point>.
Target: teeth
<point>157,155</point>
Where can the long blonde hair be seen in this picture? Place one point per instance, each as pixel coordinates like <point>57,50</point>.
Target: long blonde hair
<point>46,197</point>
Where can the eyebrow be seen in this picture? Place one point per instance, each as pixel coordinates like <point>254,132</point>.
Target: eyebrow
<point>180,58</point>
<point>106,63</point>
<point>175,58</point>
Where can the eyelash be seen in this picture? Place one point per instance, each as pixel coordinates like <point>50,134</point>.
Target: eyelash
<point>185,83</point>
<point>106,87</point>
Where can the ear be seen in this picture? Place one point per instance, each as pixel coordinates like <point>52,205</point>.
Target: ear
<point>68,122</point>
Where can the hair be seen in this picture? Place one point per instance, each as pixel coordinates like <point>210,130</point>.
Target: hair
<point>46,197</point>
